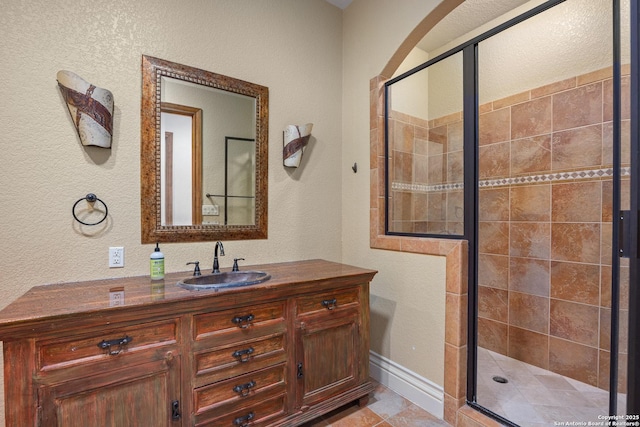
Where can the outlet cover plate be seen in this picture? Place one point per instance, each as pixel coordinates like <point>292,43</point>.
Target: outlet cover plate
<point>210,210</point>
<point>116,257</point>
<point>116,297</point>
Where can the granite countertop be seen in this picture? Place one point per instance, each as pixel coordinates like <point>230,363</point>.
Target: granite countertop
<point>100,298</point>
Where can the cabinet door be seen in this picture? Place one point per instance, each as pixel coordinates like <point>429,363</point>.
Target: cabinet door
<point>141,395</point>
<point>327,354</point>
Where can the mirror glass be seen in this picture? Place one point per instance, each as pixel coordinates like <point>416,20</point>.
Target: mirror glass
<point>203,155</point>
<point>239,179</point>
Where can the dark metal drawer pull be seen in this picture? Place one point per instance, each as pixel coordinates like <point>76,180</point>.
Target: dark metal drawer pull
<point>244,421</point>
<point>243,321</point>
<point>330,304</point>
<point>244,389</point>
<point>118,343</point>
<point>243,354</point>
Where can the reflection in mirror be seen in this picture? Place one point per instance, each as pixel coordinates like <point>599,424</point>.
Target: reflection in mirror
<point>180,164</point>
<point>198,183</point>
<point>215,113</point>
<point>239,192</point>
<point>234,197</point>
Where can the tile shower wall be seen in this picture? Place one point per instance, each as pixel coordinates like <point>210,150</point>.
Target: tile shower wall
<point>427,170</point>
<point>545,218</point>
<point>545,227</point>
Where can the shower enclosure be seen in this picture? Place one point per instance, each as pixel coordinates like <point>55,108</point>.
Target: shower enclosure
<point>518,140</point>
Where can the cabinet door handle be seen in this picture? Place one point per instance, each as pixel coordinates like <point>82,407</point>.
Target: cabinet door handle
<point>243,321</point>
<point>118,343</point>
<point>244,421</point>
<point>330,304</point>
<point>244,355</point>
<point>244,389</point>
<point>300,374</point>
<point>175,410</point>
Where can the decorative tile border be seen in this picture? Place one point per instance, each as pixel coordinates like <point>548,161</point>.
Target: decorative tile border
<point>424,188</point>
<point>550,177</point>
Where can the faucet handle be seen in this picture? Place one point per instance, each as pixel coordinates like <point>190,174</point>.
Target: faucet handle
<point>196,270</point>
<point>235,264</point>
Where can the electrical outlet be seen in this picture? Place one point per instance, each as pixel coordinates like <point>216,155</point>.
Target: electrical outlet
<point>116,297</point>
<point>116,257</point>
<point>210,210</point>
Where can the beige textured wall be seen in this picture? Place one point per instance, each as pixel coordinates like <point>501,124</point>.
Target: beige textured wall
<point>408,294</point>
<point>294,47</point>
<point>576,35</point>
<point>317,63</point>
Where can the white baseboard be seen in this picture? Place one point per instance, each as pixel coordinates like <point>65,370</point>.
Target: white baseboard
<point>419,390</point>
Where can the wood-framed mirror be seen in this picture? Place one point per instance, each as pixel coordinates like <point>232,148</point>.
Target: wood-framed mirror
<point>187,114</point>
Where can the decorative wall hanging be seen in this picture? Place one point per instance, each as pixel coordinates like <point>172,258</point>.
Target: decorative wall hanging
<point>90,107</point>
<point>295,140</point>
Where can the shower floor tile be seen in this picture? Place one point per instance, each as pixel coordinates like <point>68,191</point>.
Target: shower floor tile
<point>535,397</point>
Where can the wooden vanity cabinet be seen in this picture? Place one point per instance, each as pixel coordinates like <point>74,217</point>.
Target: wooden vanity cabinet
<point>140,395</point>
<point>275,354</point>
<point>95,377</point>
<point>328,344</point>
<point>240,365</point>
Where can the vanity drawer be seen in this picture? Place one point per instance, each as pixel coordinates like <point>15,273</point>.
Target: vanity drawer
<point>227,326</point>
<point>327,301</point>
<point>241,391</point>
<point>222,363</point>
<point>100,346</point>
<point>261,413</point>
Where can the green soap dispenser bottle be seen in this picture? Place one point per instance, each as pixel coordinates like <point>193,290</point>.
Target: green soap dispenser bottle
<point>157,264</point>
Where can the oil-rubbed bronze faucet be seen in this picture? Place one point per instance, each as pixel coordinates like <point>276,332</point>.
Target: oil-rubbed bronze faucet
<point>216,266</point>
<point>235,264</point>
<point>196,270</point>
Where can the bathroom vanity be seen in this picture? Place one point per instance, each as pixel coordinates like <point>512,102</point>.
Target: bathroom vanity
<point>140,353</point>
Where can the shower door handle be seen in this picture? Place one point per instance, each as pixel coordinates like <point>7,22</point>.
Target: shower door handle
<point>624,233</point>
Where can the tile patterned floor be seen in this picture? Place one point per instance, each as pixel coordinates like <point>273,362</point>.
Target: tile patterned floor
<point>385,409</point>
<point>535,397</point>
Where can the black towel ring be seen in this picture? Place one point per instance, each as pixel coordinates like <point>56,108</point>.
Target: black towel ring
<point>91,198</point>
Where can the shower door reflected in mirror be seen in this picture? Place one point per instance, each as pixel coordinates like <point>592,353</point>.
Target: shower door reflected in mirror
<point>236,202</point>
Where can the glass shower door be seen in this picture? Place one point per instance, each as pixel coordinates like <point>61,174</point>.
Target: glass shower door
<point>550,291</point>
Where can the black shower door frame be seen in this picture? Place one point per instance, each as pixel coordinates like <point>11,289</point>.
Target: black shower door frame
<point>633,368</point>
